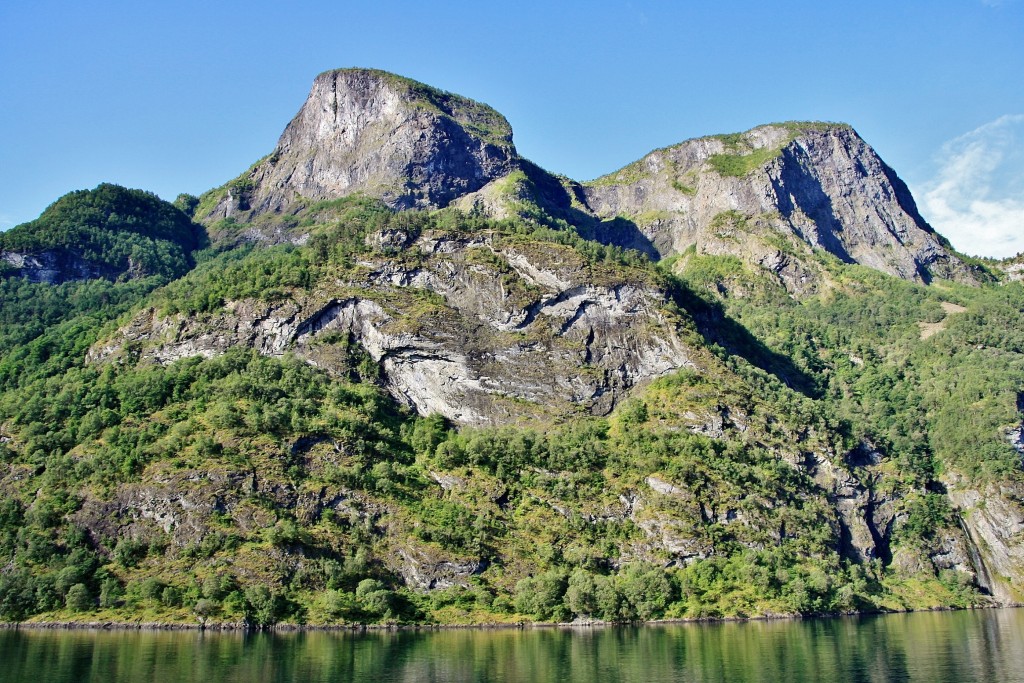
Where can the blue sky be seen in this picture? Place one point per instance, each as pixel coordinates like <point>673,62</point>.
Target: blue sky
<point>180,97</point>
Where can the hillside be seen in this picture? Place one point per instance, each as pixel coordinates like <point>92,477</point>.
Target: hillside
<point>110,232</point>
<point>486,409</point>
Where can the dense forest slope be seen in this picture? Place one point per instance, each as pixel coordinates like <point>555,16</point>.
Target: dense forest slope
<point>428,382</point>
<point>109,232</point>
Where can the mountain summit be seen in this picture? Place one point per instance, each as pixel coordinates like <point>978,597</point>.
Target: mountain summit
<point>371,132</point>
<point>819,183</point>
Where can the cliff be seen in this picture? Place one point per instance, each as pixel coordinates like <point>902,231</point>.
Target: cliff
<point>819,183</point>
<point>374,133</point>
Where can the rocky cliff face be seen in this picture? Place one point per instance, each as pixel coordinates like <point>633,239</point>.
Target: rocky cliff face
<point>993,520</point>
<point>366,131</point>
<point>750,193</point>
<point>480,330</point>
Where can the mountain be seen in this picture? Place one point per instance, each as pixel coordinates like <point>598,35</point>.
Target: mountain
<point>109,232</point>
<point>753,193</point>
<point>418,378</point>
<point>374,133</point>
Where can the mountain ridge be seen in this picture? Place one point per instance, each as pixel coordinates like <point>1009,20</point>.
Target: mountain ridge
<point>806,185</point>
<point>352,410</point>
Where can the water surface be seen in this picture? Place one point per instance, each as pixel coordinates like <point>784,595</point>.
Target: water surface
<point>942,647</point>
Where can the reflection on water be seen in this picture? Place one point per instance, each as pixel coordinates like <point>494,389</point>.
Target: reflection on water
<point>935,647</point>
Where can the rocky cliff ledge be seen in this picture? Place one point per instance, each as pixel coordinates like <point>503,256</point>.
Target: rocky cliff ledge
<point>480,329</point>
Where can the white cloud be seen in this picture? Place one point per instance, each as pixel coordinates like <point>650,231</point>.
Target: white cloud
<point>976,198</point>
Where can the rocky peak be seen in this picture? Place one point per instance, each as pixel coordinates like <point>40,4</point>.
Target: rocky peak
<point>368,131</point>
<point>816,182</point>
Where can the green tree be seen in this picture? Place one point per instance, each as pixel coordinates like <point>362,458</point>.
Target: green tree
<point>78,598</point>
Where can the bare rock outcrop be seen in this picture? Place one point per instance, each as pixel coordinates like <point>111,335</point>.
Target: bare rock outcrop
<point>750,194</point>
<point>993,520</point>
<point>476,329</point>
<point>371,132</point>
<point>54,266</point>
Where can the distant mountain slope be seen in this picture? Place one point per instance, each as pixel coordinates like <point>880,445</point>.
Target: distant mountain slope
<point>110,232</point>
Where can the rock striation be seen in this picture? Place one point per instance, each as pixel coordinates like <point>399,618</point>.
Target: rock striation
<point>479,330</point>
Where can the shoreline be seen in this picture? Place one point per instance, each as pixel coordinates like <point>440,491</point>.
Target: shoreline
<point>242,627</point>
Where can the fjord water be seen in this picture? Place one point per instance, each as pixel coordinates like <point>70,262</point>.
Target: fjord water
<point>935,647</point>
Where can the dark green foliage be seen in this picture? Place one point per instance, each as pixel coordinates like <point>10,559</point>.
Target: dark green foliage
<point>78,598</point>
<point>541,596</point>
<point>187,204</point>
<point>925,514</point>
<point>263,606</point>
<point>374,599</point>
<point>123,231</point>
<point>637,593</point>
<point>46,330</point>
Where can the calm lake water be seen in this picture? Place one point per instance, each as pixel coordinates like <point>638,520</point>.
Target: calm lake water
<point>985,645</point>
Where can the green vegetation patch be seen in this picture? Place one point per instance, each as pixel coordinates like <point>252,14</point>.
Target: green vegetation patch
<point>740,158</point>
<point>739,165</point>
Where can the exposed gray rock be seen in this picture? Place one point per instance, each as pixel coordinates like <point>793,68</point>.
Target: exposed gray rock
<point>479,331</point>
<point>819,183</point>
<point>993,520</point>
<point>865,516</point>
<point>54,266</point>
<point>423,570</point>
<point>368,131</point>
<point>178,504</point>
<point>770,196</point>
<point>1016,438</point>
